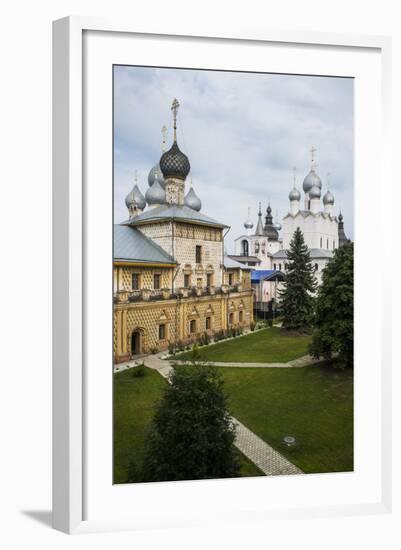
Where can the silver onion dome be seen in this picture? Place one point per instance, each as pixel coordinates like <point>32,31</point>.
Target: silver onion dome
<point>156,194</point>
<point>314,192</point>
<point>192,200</point>
<point>277,226</point>
<point>311,180</point>
<point>328,198</point>
<point>156,170</point>
<point>248,223</point>
<point>294,195</point>
<point>135,196</point>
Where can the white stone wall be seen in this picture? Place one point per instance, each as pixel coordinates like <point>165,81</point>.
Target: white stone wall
<point>258,246</point>
<point>320,230</point>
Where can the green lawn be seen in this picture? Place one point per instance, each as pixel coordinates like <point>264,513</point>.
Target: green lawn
<point>134,401</point>
<point>272,345</point>
<point>314,404</point>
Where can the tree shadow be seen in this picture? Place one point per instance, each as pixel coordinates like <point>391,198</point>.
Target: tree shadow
<point>41,516</point>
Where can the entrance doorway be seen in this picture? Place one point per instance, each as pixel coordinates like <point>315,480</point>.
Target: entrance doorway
<point>136,343</point>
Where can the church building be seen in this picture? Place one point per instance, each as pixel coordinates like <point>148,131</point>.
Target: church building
<point>172,280</point>
<point>265,249</point>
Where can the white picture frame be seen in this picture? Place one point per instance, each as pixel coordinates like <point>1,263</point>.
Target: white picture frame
<point>70,338</point>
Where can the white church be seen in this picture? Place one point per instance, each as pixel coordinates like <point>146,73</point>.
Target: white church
<point>265,248</point>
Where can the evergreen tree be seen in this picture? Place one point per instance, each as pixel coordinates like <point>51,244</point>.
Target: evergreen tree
<point>297,301</point>
<point>192,435</point>
<point>334,323</point>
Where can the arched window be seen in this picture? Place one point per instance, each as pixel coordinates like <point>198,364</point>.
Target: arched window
<point>245,248</point>
<point>256,247</point>
<point>316,267</point>
<point>321,242</point>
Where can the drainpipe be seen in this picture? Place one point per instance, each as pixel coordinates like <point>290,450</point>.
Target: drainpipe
<point>223,272</point>
<point>222,262</point>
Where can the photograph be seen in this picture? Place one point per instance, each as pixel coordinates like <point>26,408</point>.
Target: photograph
<point>232,293</point>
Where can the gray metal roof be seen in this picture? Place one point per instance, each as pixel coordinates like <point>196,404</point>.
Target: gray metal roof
<point>241,258</point>
<point>173,212</point>
<point>229,263</point>
<point>313,252</point>
<point>132,246</point>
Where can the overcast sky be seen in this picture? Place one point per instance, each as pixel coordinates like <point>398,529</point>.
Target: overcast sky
<point>243,134</point>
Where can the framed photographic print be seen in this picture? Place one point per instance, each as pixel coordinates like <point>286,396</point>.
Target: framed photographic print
<point>216,201</point>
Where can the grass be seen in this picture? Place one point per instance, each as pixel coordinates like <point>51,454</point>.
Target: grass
<point>314,404</point>
<point>272,345</point>
<point>134,403</point>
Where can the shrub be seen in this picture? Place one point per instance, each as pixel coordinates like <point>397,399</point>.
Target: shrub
<point>171,348</point>
<point>139,371</point>
<point>154,350</point>
<point>252,326</point>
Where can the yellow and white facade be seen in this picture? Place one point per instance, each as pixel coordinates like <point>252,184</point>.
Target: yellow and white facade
<point>172,281</point>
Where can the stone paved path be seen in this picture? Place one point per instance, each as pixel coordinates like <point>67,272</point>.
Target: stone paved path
<point>265,457</point>
<point>253,447</point>
<point>300,362</point>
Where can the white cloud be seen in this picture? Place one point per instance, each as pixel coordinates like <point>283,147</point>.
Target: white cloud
<point>242,132</point>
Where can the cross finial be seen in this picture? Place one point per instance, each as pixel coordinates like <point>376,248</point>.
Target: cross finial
<point>313,151</point>
<point>295,176</point>
<point>164,133</point>
<point>260,209</point>
<point>328,180</point>
<point>174,108</point>
<point>136,176</point>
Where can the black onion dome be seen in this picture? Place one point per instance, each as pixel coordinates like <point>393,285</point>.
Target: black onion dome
<point>174,163</point>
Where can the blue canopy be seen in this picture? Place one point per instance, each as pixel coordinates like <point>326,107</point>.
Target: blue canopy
<point>258,275</point>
